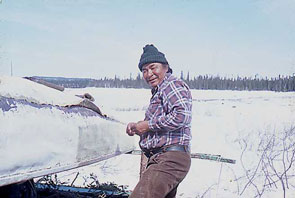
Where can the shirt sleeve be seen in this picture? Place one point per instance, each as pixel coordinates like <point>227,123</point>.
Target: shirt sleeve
<point>178,98</point>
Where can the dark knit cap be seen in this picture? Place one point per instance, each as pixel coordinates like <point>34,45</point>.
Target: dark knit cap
<point>152,55</point>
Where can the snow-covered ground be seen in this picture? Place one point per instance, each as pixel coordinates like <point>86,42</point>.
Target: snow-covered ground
<point>221,119</point>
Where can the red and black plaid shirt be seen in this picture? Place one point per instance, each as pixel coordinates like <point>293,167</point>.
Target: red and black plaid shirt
<point>169,115</point>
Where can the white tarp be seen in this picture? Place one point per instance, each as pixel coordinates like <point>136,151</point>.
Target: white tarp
<point>36,139</point>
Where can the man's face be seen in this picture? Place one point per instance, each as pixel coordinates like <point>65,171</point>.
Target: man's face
<point>154,73</point>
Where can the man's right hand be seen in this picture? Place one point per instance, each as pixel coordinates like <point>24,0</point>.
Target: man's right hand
<point>130,128</point>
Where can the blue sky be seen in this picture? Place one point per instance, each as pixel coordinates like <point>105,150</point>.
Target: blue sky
<point>98,38</point>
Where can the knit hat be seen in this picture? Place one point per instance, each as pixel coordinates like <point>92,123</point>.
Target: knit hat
<point>152,55</point>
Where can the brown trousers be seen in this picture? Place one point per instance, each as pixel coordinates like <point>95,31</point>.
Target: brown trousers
<point>162,176</point>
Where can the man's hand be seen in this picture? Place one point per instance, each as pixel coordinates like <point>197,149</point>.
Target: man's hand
<point>142,127</point>
<point>138,128</point>
<point>130,129</point>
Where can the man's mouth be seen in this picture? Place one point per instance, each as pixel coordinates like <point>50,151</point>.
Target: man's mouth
<point>152,80</point>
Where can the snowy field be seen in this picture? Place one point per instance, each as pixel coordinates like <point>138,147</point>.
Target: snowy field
<point>223,123</point>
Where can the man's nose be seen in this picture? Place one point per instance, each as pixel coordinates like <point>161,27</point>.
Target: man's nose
<point>149,72</point>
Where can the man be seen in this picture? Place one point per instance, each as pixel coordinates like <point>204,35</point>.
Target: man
<point>165,133</point>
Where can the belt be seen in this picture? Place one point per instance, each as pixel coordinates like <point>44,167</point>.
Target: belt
<point>164,149</point>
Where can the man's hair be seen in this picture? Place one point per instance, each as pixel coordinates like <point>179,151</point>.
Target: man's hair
<point>169,68</point>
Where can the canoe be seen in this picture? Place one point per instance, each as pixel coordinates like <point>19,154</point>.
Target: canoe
<point>44,131</point>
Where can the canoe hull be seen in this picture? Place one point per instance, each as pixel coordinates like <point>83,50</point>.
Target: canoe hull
<point>37,140</point>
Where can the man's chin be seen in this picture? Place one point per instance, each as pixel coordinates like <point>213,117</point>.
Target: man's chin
<point>153,84</point>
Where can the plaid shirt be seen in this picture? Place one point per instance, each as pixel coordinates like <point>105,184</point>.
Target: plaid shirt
<point>169,115</point>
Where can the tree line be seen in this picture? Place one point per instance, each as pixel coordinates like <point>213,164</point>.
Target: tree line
<point>206,82</point>
<point>280,83</point>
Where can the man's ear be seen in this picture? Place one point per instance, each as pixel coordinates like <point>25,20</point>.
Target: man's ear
<point>166,68</point>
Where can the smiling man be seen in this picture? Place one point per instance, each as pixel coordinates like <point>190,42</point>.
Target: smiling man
<point>165,133</point>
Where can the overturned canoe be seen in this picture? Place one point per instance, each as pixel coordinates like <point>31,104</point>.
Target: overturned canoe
<point>44,131</point>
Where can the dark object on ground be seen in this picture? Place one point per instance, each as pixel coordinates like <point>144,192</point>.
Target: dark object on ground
<point>29,189</point>
<point>62,191</point>
<point>20,190</point>
<point>49,186</point>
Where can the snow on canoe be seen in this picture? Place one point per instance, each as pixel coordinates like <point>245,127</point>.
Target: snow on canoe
<point>44,131</point>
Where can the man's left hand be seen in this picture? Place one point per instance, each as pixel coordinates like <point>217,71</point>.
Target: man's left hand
<point>141,127</point>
